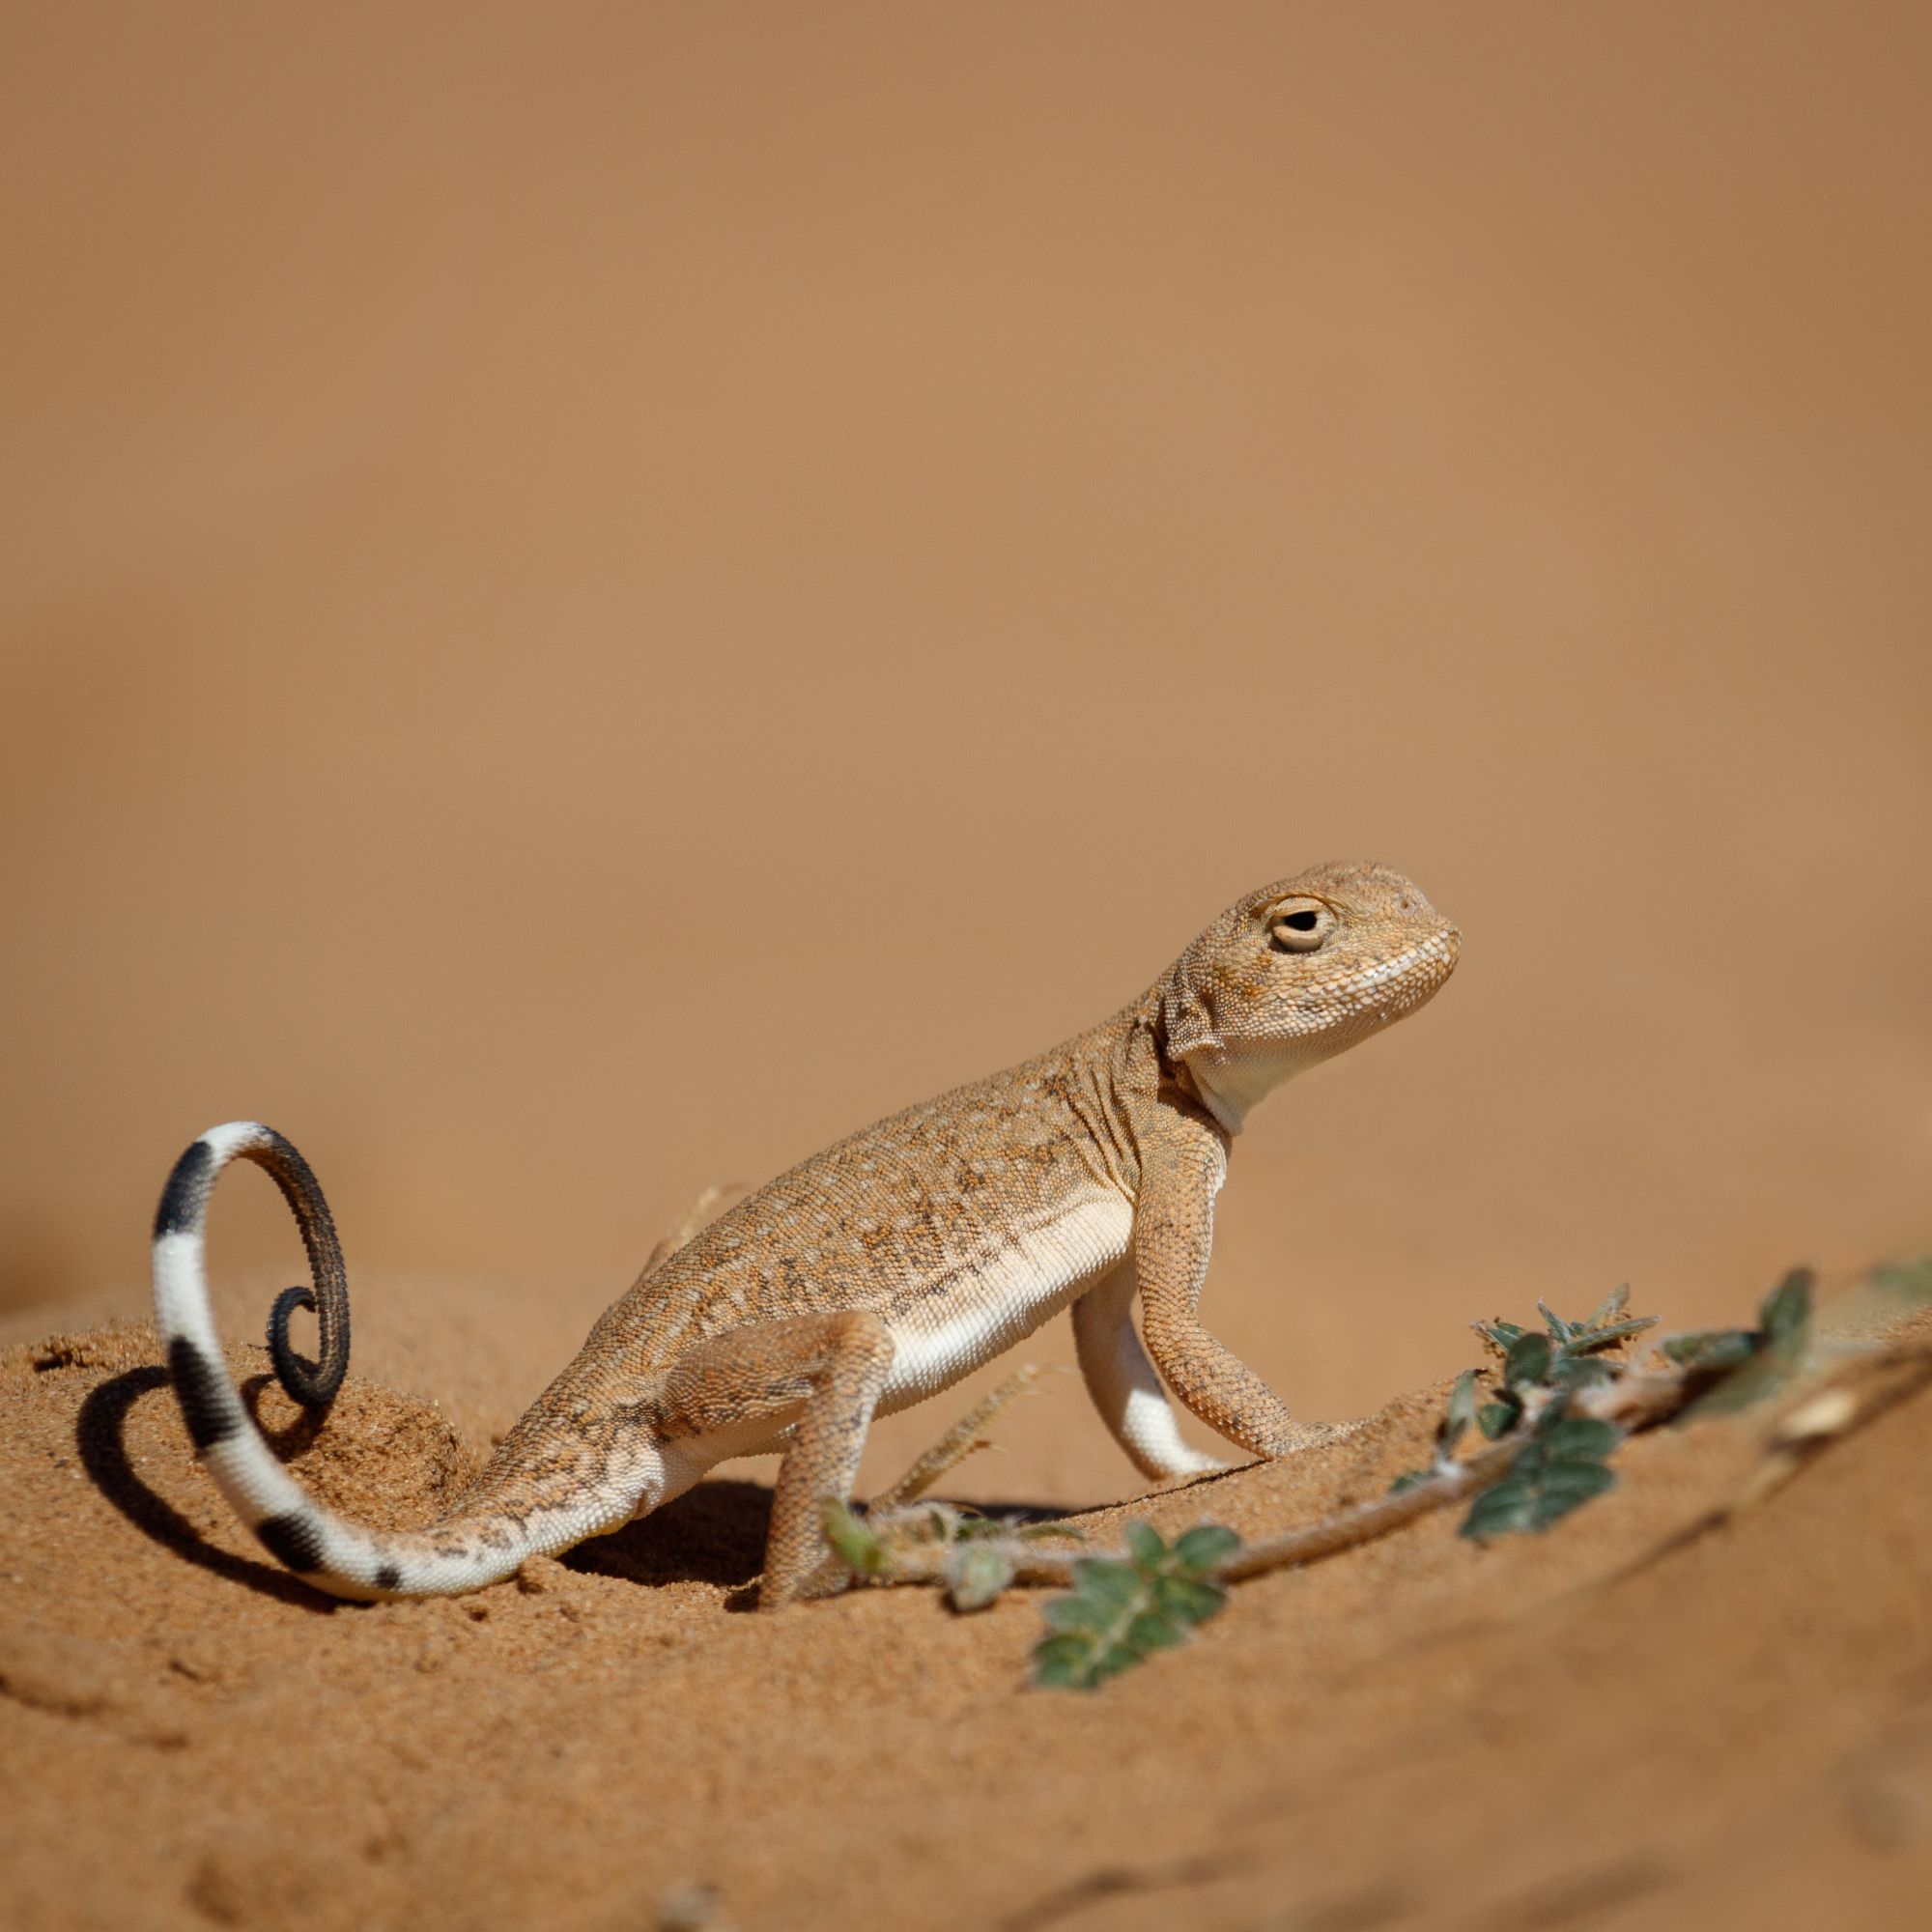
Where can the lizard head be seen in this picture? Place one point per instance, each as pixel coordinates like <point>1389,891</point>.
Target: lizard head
<point>1295,973</point>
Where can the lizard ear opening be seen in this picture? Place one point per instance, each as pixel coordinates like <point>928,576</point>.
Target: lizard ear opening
<point>1186,1019</point>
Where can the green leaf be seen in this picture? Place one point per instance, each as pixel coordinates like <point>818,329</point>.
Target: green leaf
<point>1409,1480</point>
<point>1610,1308</point>
<point>1065,1662</point>
<point>1119,1612</point>
<point>1579,1438</point>
<point>851,1541</point>
<point>1787,1312</point>
<point>1205,1544</point>
<point>1043,1532</point>
<point>1786,1321</point>
<point>1495,1419</point>
<point>1540,1492</point>
<point>1527,1361</point>
<point>1460,1413</point>
<point>1500,1510</point>
<point>1710,1349</point>
<point>1106,1582</point>
<point>1188,1599</point>
<point>1589,1340</point>
<point>976,1574</point>
<point>1765,1371</point>
<point>1575,1372</point>
<point>1078,1615</point>
<point>1562,1487</point>
<point>1560,1330</point>
<point>1152,1631</point>
<point>1498,1334</point>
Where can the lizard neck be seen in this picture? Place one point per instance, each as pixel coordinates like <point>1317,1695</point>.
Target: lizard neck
<point>1231,1089</point>
<point>1226,1088</point>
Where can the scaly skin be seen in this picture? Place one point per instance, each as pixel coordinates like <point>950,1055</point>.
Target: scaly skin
<point>881,1270</point>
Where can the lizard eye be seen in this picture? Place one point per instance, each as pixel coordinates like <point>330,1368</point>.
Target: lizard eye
<point>1299,925</point>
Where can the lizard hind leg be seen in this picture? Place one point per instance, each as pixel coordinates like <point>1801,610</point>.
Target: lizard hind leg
<point>821,1374</point>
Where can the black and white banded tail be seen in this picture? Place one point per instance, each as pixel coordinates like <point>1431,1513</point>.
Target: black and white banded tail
<point>342,1557</point>
<point>183,1210</point>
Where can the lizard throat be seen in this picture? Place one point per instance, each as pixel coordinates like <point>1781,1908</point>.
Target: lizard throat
<point>1231,1089</point>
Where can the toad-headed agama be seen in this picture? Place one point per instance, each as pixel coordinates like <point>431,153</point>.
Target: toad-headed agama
<point>870,1277</point>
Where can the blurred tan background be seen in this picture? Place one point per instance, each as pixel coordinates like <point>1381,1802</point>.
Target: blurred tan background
<point>593,596</point>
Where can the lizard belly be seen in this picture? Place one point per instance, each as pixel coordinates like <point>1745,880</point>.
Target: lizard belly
<point>1000,1297</point>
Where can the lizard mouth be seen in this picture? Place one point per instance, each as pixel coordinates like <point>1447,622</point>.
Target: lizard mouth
<point>1407,978</point>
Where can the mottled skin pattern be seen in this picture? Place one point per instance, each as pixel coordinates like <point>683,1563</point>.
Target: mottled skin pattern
<point>884,1268</point>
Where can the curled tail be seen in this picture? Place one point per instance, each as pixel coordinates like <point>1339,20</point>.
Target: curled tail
<point>184,1204</point>
<point>334,1554</point>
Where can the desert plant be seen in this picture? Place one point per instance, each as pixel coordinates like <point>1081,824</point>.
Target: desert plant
<point>1122,1609</point>
<point>1557,1404</point>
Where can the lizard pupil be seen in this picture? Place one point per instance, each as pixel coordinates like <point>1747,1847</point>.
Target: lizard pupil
<point>1301,922</point>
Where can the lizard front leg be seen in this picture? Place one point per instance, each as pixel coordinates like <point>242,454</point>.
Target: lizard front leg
<point>1123,1384</point>
<point>1174,1232</point>
<point>825,1371</point>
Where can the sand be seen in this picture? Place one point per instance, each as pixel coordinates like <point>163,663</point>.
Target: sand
<point>1653,1716</point>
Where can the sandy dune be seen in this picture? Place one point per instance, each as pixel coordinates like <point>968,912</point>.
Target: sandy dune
<point>1651,1718</point>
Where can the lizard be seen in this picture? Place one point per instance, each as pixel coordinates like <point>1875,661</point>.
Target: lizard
<point>870,1277</point>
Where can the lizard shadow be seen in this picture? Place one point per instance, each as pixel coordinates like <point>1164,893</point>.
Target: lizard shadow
<point>101,1437</point>
<point>715,1533</point>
